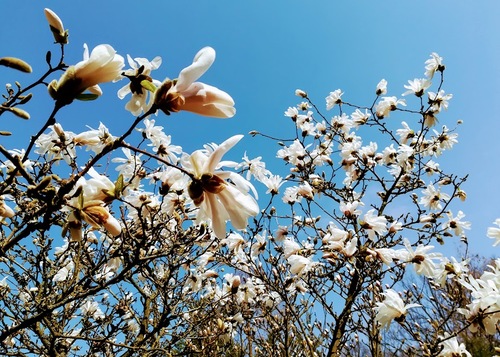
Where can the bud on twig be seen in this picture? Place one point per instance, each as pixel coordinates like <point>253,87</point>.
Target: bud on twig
<point>16,63</point>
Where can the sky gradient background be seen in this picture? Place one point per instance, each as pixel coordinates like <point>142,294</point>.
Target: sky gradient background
<point>267,49</point>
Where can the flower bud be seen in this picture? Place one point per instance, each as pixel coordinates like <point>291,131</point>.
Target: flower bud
<point>300,93</point>
<point>16,63</point>
<point>57,27</point>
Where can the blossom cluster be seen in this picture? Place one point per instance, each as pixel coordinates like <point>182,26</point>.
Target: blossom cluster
<point>179,246</point>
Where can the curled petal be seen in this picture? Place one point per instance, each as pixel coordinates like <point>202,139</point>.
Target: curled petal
<point>209,101</point>
<point>201,63</point>
<point>217,154</point>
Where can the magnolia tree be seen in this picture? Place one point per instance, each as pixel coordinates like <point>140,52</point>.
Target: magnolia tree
<point>173,253</point>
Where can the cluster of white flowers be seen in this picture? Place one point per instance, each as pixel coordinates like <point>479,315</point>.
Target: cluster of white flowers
<point>385,200</point>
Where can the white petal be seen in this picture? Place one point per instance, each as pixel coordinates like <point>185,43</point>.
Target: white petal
<point>201,63</point>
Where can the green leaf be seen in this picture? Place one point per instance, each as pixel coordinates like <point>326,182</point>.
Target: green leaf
<point>148,85</point>
<point>87,97</point>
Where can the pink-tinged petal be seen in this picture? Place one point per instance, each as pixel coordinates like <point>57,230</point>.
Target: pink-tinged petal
<point>212,110</point>
<point>201,63</point>
<point>95,89</point>
<point>112,226</point>
<point>203,99</point>
<point>217,154</point>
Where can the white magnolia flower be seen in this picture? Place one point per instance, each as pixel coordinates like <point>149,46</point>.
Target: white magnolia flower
<point>421,257</point>
<point>451,347</point>
<point>417,86</point>
<point>333,98</point>
<point>456,224</point>
<point>219,200</point>
<point>200,98</point>
<point>140,71</point>
<point>64,273</point>
<point>90,206</point>
<point>102,65</point>
<point>433,197</point>
<point>386,105</point>
<point>391,308</point>
<point>433,64</point>
<point>5,211</point>
<point>494,232</point>
<point>299,264</point>
<point>374,224</point>
<point>381,87</point>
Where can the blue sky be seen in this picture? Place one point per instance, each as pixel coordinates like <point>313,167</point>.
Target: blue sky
<point>267,49</point>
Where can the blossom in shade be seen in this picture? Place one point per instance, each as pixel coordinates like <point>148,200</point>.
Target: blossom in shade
<point>219,200</point>
<point>200,98</point>
<point>5,211</point>
<point>393,307</point>
<point>452,348</point>
<point>102,65</point>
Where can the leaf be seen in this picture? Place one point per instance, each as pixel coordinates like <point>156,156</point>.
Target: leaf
<point>148,85</point>
<point>85,97</point>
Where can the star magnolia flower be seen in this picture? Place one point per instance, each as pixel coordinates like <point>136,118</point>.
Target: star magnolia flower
<point>5,211</point>
<point>218,199</point>
<point>494,232</point>
<point>90,206</point>
<point>200,98</point>
<point>140,71</point>
<point>451,347</point>
<point>391,308</point>
<point>102,65</point>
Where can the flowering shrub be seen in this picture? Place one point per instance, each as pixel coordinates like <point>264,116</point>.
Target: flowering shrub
<point>176,254</point>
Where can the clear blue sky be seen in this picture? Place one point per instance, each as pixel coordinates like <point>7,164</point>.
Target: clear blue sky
<point>267,49</point>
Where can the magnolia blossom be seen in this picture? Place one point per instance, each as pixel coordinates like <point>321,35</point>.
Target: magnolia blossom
<point>456,224</point>
<point>451,347</point>
<point>433,197</point>
<point>102,65</point>
<point>200,98</point>
<point>374,224</point>
<point>140,71</point>
<point>433,64</point>
<point>494,232</point>
<point>333,98</point>
<point>386,105</point>
<point>417,86</point>
<point>90,206</point>
<point>381,87</point>
<point>5,211</point>
<point>219,200</point>
<point>391,308</point>
<point>299,264</point>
